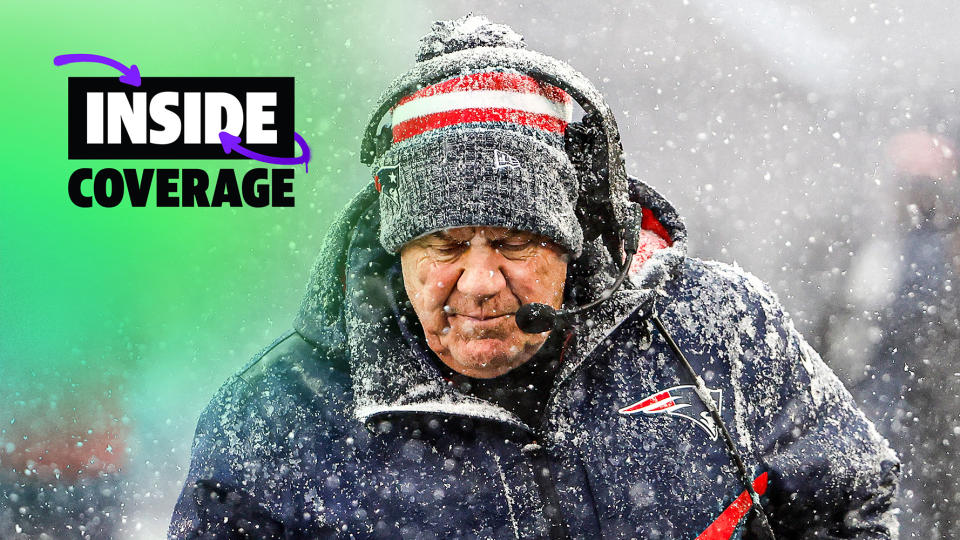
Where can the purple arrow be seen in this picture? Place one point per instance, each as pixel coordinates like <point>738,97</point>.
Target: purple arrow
<point>232,142</point>
<point>131,75</point>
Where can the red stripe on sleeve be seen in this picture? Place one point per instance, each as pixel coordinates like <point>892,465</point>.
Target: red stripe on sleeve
<point>722,528</point>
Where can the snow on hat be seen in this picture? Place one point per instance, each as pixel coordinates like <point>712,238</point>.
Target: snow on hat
<point>483,148</point>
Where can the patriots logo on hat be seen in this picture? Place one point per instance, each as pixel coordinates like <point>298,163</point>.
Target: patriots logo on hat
<point>681,401</point>
<point>387,182</point>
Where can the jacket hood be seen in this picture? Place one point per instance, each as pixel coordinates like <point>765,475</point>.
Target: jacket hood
<point>355,307</point>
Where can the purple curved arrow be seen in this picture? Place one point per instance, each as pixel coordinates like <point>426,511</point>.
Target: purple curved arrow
<point>232,142</point>
<point>131,75</point>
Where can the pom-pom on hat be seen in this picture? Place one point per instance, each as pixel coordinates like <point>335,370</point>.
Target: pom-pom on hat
<point>483,148</point>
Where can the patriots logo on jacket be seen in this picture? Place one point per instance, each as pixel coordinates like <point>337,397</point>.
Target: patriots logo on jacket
<point>387,181</point>
<point>680,401</point>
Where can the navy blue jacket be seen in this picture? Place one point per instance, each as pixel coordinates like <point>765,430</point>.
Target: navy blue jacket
<point>345,428</point>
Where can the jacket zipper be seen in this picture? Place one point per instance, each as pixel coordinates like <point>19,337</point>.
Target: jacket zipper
<point>538,455</point>
<point>548,490</point>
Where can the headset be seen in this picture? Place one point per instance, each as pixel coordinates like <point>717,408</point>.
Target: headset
<point>604,210</point>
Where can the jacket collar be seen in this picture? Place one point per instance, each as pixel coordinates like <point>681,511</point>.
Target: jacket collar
<point>351,308</point>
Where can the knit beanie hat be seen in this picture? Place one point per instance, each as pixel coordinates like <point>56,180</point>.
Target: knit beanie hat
<point>483,148</point>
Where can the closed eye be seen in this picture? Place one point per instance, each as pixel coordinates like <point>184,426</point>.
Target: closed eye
<point>448,250</point>
<point>514,244</point>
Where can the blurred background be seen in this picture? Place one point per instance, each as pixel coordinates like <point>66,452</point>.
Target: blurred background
<point>810,142</point>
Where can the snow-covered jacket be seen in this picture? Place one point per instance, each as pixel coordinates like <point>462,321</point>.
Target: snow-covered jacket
<point>344,427</point>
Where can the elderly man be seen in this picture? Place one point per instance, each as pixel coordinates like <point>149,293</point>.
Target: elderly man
<point>503,338</point>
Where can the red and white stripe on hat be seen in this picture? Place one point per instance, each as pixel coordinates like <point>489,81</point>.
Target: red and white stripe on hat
<point>490,96</point>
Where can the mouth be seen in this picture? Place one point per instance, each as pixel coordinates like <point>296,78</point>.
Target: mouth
<point>477,327</point>
<point>480,318</point>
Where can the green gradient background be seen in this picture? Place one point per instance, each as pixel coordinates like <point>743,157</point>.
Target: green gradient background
<point>139,314</point>
<point>122,285</point>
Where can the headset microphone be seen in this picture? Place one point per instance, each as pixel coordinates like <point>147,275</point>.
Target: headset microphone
<point>535,317</point>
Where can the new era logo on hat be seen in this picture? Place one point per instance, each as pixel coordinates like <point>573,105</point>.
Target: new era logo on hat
<point>491,96</point>
<point>503,160</point>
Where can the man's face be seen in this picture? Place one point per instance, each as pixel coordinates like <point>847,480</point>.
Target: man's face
<point>467,283</point>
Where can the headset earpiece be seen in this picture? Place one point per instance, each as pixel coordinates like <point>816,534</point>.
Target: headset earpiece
<point>383,139</point>
<point>586,146</point>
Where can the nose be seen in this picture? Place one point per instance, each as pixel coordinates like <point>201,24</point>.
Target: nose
<point>482,277</point>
